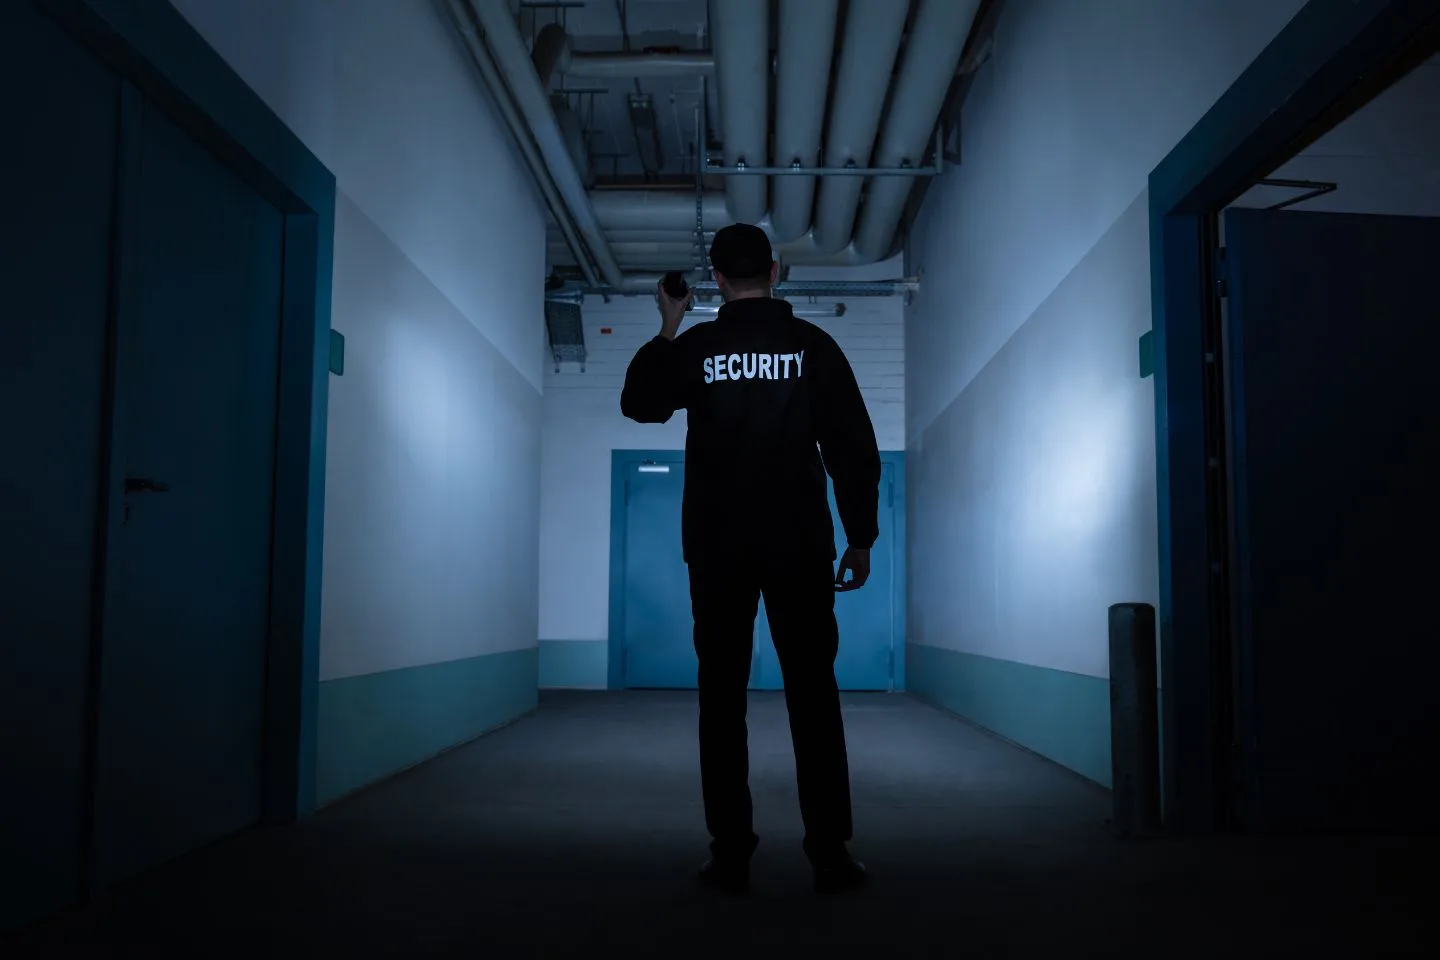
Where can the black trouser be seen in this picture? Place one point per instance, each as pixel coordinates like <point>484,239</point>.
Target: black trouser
<point>800,604</point>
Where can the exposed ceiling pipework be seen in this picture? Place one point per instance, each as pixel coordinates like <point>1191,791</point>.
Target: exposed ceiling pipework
<point>503,42</point>
<point>802,68</point>
<point>626,66</point>
<point>873,29</point>
<point>461,15</point>
<point>742,78</point>
<point>623,238</point>
<point>551,50</point>
<point>932,55</point>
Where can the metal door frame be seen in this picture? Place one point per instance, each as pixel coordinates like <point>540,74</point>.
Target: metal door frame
<point>623,461</point>
<point>1331,59</point>
<point>159,56</point>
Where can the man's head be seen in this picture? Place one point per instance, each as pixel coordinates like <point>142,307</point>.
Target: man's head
<point>743,262</point>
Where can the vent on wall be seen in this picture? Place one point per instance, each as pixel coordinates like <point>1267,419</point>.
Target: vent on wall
<point>567,334</point>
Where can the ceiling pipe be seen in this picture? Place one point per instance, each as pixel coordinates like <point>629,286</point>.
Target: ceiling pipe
<point>564,59</point>
<point>502,38</point>
<point>741,37</point>
<point>495,86</point>
<point>673,213</point>
<point>873,29</point>
<point>640,284</point>
<point>627,66</point>
<point>551,44</point>
<point>932,55</point>
<point>670,254</point>
<point>806,46</point>
<point>672,210</point>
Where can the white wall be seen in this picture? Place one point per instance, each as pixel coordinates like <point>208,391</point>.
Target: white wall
<point>583,425</point>
<point>1030,435</point>
<point>432,489</point>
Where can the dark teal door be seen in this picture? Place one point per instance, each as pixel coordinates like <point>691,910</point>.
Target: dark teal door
<point>656,646</point>
<point>1334,334</point>
<point>187,598</point>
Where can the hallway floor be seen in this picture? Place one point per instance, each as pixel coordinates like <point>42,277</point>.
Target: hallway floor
<point>579,828</point>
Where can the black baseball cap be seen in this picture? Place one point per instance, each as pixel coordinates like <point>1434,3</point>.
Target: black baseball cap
<point>741,251</point>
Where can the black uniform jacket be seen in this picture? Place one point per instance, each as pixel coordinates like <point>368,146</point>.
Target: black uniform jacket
<point>772,405</point>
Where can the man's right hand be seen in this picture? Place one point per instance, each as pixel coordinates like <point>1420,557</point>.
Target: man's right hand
<point>858,563</point>
<point>672,311</point>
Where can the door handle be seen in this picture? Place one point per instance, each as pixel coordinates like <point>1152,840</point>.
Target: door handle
<point>145,485</point>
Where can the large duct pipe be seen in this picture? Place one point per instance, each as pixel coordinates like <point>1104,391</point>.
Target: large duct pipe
<point>873,29</point>
<point>807,43</point>
<point>741,36</point>
<point>932,55</point>
<point>503,39</point>
<point>661,210</point>
<point>495,85</point>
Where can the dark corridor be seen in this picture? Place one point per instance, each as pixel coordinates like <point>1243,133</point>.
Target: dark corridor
<point>579,829</point>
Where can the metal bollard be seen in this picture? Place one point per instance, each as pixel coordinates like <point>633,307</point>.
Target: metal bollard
<point>1134,720</point>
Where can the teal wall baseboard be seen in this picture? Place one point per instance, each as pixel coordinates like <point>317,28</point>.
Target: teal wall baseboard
<point>584,664</point>
<point>1064,717</point>
<point>373,726</point>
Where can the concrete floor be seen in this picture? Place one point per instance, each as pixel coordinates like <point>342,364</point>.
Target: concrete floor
<point>579,828</point>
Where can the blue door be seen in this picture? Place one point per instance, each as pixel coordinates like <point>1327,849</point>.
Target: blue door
<point>658,647</point>
<point>1333,334</point>
<point>187,598</point>
<point>656,644</point>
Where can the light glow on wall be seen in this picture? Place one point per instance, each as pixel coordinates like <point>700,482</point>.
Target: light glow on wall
<point>413,394</point>
<point>1086,471</point>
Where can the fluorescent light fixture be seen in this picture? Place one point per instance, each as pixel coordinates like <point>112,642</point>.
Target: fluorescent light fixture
<point>805,312</point>
<point>654,468</point>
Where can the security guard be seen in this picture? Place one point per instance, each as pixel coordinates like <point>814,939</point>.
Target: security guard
<point>772,406</point>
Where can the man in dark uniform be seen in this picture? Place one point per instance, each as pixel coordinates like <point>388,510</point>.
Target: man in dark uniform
<point>772,405</point>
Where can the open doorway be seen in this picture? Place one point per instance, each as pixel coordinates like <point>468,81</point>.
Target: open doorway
<point>1296,317</point>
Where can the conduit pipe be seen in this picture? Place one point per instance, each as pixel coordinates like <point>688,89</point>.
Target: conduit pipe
<point>932,55</point>
<point>658,213</point>
<point>806,45</point>
<point>551,45</point>
<point>873,29</point>
<point>666,255</point>
<point>502,38</point>
<point>644,283</point>
<point>627,66</point>
<point>495,85</point>
<point>614,66</point>
<point>741,37</point>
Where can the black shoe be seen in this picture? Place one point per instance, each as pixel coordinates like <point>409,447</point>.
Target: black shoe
<point>838,873</point>
<point>729,876</point>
